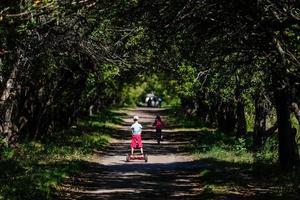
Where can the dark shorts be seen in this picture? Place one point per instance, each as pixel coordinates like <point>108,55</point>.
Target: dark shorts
<point>136,141</point>
<point>158,133</point>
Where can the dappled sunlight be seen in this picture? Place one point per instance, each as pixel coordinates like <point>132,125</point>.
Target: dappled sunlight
<point>165,175</point>
<point>119,181</point>
<point>239,179</point>
<point>220,168</point>
<point>190,130</point>
<point>214,86</point>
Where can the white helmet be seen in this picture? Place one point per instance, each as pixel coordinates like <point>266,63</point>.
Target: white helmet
<point>136,117</point>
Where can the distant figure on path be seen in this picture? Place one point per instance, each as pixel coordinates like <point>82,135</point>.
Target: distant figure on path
<point>158,126</point>
<point>159,101</point>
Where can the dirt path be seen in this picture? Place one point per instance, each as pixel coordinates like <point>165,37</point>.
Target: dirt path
<point>169,174</point>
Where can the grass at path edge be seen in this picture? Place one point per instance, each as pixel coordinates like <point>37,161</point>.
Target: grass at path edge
<point>233,170</point>
<point>35,169</point>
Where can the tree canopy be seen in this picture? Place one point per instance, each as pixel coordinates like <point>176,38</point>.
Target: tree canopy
<point>224,60</point>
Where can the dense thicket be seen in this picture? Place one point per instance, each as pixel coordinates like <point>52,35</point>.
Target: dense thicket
<point>61,58</point>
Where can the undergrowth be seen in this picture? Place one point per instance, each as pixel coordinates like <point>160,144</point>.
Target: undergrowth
<point>232,166</point>
<point>34,169</point>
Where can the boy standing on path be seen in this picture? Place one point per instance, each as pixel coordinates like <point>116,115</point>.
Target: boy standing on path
<point>136,140</point>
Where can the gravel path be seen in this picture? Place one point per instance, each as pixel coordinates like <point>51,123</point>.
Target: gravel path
<point>170,173</point>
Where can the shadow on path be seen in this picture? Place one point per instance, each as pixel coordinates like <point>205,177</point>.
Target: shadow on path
<point>135,181</point>
<point>169,174</point>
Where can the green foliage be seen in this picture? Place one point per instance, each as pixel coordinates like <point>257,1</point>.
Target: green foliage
<point>135,37</point>
<point>35,169</point>
<point>34,181</point>
<point>133,95</point>
<point>220,146</point>
<point>231,166</point>
<point>186,84</point>
<point>180,119</point>
<point>250,116</point>
<point>212,143</point>
<point>173,102</point>
<point>7,153</point>
<point>296,125</point>
<point>102,120</point>
<point>104,53</point>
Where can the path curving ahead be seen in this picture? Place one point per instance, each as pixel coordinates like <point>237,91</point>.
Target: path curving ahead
<point>171,173</point>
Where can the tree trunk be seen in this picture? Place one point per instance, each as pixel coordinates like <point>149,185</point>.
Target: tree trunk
<point>288,154</point>
<point>230,118</point>
<point>226,117</point>
<point>7,104</point>
<point>240,113</point>
<point>91,108</point>
<point>240,110</point>
<point>202,110</point>
<point>241,119</point>
<point>259,124</point>
<point>221,117</point>
<point>8,96</point>
<point>212,116</point>
<point>296,110</point>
